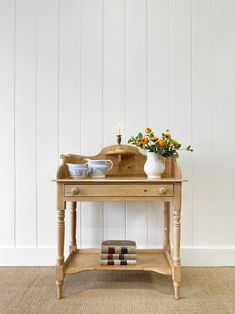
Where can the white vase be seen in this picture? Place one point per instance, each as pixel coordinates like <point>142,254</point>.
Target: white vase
<point>154,166</point>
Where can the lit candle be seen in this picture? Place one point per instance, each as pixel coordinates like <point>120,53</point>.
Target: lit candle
<point>119,129</point>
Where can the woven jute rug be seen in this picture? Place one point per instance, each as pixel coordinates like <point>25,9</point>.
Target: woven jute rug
<point>32,290</point>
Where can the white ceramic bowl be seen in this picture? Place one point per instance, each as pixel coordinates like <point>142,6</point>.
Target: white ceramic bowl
<point>78,171</point>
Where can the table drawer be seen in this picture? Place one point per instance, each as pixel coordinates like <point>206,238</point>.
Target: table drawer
<point>119,190</point>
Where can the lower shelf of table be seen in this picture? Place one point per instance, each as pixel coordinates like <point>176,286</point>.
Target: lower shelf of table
<point>89,259</point>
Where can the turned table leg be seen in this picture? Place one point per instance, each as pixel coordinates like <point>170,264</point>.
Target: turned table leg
<point>73,243</point>
<point>176,257</point>
<point>166,244</point>
<point>60,242</point>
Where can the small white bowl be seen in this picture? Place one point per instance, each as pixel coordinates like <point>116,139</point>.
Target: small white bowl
<point>78,171</point>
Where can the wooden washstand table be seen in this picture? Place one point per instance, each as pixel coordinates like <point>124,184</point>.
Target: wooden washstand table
<point>125,182</point>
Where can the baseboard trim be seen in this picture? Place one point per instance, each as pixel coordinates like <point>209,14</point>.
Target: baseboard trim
<point>47,256</point>
<point>27,256</point>
<point>208,256</point>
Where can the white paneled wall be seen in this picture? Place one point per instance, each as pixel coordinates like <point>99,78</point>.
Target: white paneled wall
<point>70,71</point>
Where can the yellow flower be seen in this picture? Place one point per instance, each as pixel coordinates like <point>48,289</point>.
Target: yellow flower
<point>154,138</point>
<point>148,130</point>
<point>168,135</point>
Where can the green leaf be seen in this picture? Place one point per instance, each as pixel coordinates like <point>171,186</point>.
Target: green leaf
<point>189,148</point>
<point>140,136</point>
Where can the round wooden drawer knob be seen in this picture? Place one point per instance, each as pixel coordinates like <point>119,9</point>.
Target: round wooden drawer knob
<point>74,191</point>
<point>163,190</point>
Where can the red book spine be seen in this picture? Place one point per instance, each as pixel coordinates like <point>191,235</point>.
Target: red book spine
<point>111,250</point>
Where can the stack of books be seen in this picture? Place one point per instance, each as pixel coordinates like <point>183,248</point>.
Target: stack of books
<point>118,252</point>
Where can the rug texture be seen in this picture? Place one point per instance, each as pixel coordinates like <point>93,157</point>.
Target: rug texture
<point>32,290</point>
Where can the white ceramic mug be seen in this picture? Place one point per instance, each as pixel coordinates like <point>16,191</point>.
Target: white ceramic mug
<point>99,168</point>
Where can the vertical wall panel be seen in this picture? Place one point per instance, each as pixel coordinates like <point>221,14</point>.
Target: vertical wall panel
<point>113,69</point>
<point>158,95</point>
<point>203,121</point>
<point>7,29</point>
<point>69,87</point>
<point>180,100</point>
<point>69,76</point>
<point>25,123</point>
<point>91,109</point>
<point>158,64</point>
<point>47,119</point>
<point>224,76</point>
<point>136,103</point>
<point>113,100</point>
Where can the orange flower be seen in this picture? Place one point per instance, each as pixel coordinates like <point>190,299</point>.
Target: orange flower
<point>154,138</point>
<point>148,130</point>
<point>168,135</point>
<point>162,143</point>
<point>145,140</point>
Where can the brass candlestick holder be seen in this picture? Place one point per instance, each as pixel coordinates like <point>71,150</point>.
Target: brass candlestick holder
<point>119,140</point>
